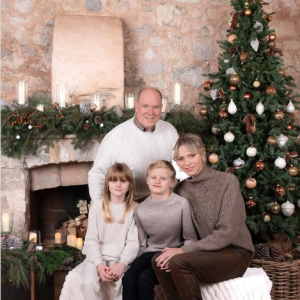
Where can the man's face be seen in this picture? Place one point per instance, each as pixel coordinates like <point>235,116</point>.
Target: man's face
<point>148,109</point>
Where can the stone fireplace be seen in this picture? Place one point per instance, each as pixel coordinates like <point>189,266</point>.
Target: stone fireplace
<point>27,181</point>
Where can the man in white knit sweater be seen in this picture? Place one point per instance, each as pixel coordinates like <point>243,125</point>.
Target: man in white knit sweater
<point>137,143</point>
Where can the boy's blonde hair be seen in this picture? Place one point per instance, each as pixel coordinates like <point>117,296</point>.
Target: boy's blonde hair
<point>117,171</point>
<point>163,164</point>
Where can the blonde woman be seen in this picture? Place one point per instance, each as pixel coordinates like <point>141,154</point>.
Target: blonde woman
<point>111,242</point>
<point>224,250</point>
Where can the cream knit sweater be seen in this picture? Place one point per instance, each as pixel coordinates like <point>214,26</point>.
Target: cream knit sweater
<point>111,241</point>
<point>137,149</point>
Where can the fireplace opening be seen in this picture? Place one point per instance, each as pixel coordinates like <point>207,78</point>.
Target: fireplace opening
<point>49,208</point>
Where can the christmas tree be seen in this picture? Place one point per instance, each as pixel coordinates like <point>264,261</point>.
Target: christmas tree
<point>250,112</point>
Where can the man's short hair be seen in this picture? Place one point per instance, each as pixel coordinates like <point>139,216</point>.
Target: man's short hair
<point>144,88</point>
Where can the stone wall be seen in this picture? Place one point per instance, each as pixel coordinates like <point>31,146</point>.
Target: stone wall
<point>164,40</point>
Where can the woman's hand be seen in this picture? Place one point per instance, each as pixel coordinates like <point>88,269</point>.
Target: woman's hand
<point>166,255</point>
<point>102,271</point>
<point>116,270</point>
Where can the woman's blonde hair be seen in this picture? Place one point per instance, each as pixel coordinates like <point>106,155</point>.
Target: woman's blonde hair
<point>164,164</point>
<point>117,171</point>
<point>193,143</point>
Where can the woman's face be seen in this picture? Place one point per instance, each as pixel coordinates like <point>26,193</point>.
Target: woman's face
<point>189,162</point>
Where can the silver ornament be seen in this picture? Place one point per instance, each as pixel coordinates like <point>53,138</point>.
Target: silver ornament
<point>101,125</point>
<point>251,151</point>
<point>290,108</point>
<point>232,109</point>
<point>18,137</point>
<point>87,121</point>
<point>260,108</point>
<point>281,140</point>
<point>29,127</point>
<point>287,208</point>
<point>238,163</point>
<point>280,162</point>
<point>229,137</point>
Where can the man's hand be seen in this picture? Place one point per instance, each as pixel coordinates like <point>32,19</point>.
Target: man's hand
<point>163,260</point>
<point>116,270</point>
<point>102,271</point>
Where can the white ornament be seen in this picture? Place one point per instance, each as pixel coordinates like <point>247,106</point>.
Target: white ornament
<point>226,61</point>
<point>281,140</point>
<point>260,108</point>
<point>229,137</point>
<point>11,248</point>
<point>29,126</point>
<point>87,121</point>
<point>215,130</point>
<point>280,162</point>
<point>251,151</point>
<point>214,94</point>
<point>232,109</point>
<point>101,125</point>
<point>254,44</point>
<point>290,108</point>
<point>287,208</point>
<point>230,71</point>
<point>238,163</point>
<point>258,26</point>
<point>18,137</point>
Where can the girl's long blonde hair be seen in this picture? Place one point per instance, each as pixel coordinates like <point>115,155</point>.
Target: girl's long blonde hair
<point>117,171</point>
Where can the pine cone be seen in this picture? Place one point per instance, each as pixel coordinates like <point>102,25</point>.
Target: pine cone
<point>10,242</point>
<point>3,242</point>
<point>18,243</point>
<point>296,254</point>
<point>262,252</point>
<point>277,253</point>
<point>86,126</point>
<point>68,261</point>
<point>84,109</point>
<point>98,120</point>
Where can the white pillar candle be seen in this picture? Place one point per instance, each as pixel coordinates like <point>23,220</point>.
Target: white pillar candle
<point>57,238</point>
<point>40,107</point>
<point>62,94</point>
<point>5,222</point>
<point>33,237</point>
<point>73,240</point>
<point>79,243</point>
<point>177,93</point>
<point>21,92</point>
<point>164,105</point>
<point>68,240</point>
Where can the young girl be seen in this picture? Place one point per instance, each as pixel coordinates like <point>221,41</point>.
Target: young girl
<point>111,242</point>
<point>163,220</point>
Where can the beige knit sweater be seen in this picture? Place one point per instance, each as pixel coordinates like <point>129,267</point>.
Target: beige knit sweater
<point>218,211</point>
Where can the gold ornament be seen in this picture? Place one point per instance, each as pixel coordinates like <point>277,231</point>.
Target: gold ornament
<point>207,85</point>
<point>203,111</point>
<point>251,183</point>
<point>280,191</point>
<point>256,83</point>
<point>282,72</point>
<point>271,90</point>
<point>213,158</point>
<point>234,79</point>
<point>272,37</point>
<point>278,115</point>
<point>266,218</point>
<point>271,140</point>
<point>223,114</point>
<point>259,165</point>
<point>231,38</point>
<point>275,208</point>
<point>243,56</point>
<point>293,171</point>
<point>272,44</point>
<point>248,12</point>
<point>251,203</point>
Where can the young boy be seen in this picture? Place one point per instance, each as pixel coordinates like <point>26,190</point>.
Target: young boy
<point>163,220</point>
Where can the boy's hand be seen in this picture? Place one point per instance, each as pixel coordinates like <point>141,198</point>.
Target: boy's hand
<point>102,271</point>
<point>116,270</point>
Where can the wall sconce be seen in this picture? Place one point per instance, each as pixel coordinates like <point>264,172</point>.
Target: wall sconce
<point>21,91</point>
<point>97,101</point>
<point>129,101</point>
<point>62,95</point>
<point>35,236</point>
<point>177,93</point>
<point>6,223</point>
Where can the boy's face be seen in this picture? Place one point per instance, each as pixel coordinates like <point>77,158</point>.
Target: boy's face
<point>159,181</point>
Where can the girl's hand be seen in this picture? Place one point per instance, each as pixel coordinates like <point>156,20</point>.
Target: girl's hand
<point>116,270</point>
<point>163,260</point>
<point>102,271</point>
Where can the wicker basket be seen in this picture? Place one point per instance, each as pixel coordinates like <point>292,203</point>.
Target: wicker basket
<point>285,277</point>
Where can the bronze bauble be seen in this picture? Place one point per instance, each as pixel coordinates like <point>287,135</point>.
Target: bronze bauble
<point>266,218</point>
<point>207,85</point>
<point>223,114</point>
<point>203,111</point>
<point>271,141</point>
<point>259,165</point>
<point>271,90</point>
<point>280,191</point>
<point>247,96</point>
<point>264,16</point>
<point>231,38</point>
<point>278,115</point>
<point>272,44</point>
<point>272,37</point>
<point>293,171</point>
<point>213,158</point>
<point>243,56</point>
<point>248,12</point>
<point>251,203</point>
<point>232,87</point>
<point>289,127</point>
<point>234,79</point>
<point>275,208</point>
<point>270,18</point>
<point>251,183</point>
<point>281,72</point>
<point>256,83</point>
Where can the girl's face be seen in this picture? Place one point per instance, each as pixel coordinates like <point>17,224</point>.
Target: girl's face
<point>189,162</point>
<point>118,187</point>
<point>159,181</point>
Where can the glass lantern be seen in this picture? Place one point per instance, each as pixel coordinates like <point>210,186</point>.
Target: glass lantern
<point>35,236</point>
<point>97,101</point>
<point>62,95</point>
<point>129,101</point>
<point>21,92</point>
<point>6,223</point>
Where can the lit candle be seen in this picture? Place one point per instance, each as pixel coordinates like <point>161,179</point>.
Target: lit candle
<point>130,101</point>
<point>68,240</point>
<point>177,93</point>
<point>62,91</point>
<point>79,243</point>
<point>33,237</point>
<point>57,238</point>
<point>73,240</point>
<point>5,222</point>
<point>40,107</point>
<point>97,101</point>
<point>164,105</point>
<point>21,92</point>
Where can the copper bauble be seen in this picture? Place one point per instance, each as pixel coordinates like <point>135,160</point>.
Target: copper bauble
<point>259,165</point>
<point>282,72</point>
<point>264,16</point>
<point>232,87</point>
<point>275,208</point>
<point>243,56</point>
<point>251,203</point>
<point>278,115</point>
<point>270,18</point>
<point>272,44</point>
<point>266,218</point>
<point>271,140</point>
<point>292,186</point>
<point>207,85</point>
<point>223,114</point>
<point>248,12</point>
<point>247,96</point>
<point>293,171</point>
<point>203,111</point>
<point>251,183</point>
<point>231,38</point>
<point>261,2</point>
<point>280,191</point>
<point>213,158</point>
<point>289,126</point>
<point>256,83</point>
<point>271,90</point>
<point>234,79</point>
<point>272,37</point>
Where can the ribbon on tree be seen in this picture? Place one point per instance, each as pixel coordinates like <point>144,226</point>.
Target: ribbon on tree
<point>289,155</point>
<point>273,51</point>
<point>250,123</point>
<point>234,21</point>
<point>221,92</point>
<point>234,49</point>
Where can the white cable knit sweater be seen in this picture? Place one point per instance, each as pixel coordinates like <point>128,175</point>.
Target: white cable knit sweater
<point>111,241</point>
<point>137,149</point>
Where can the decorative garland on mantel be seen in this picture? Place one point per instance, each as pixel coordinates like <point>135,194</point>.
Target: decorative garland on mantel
<point>24,128</point>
